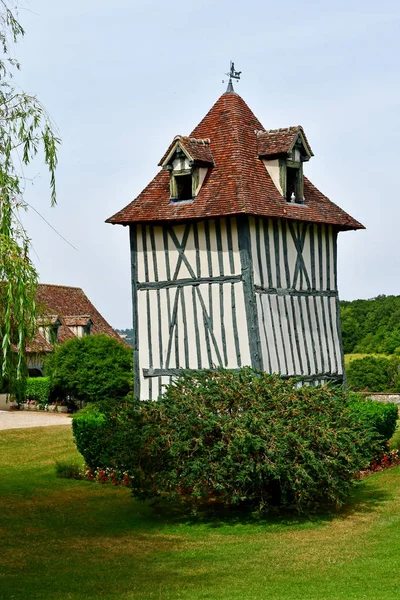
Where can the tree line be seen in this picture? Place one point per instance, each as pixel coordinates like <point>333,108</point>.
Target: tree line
<point>371,326</point>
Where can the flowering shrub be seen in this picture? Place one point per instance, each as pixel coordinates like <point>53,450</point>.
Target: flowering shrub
<point>107,476</point>
<point>74,471</point>
<point>390,458</point>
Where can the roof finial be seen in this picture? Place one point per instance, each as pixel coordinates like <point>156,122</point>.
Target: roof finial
<point>232,75</point>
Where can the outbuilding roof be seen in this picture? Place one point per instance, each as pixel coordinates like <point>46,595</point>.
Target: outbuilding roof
<point>239,182</point>
<point>67,306</point>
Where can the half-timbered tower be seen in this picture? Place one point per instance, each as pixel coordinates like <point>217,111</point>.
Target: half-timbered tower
<point>233,256</point>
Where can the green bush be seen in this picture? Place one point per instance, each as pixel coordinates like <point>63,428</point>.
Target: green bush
<point>91,369</point>
<point>394,442</point>
<point>374,374</point>
<point>382,417</point>
<point>250,438</point>
<point>106,433</point>
<point>38,389</point>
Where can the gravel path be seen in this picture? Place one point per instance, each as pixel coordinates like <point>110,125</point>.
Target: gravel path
<point>15,419</point>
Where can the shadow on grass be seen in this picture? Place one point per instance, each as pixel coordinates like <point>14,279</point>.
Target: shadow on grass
<point>366,497</point>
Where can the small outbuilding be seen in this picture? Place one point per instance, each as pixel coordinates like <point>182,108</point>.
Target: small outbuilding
<point>234,255</point>
<point>65,312</point>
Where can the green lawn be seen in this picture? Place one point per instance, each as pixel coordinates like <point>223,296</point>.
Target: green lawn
<point>349,357</point>
<point>66,539</point>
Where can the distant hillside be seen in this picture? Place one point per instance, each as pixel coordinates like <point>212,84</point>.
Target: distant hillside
<point>371,326</point>
<point>127,335</point>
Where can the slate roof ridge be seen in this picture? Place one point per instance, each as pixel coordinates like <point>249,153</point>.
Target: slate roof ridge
<point>200,141</point>
<point>57,285</point>
<point>288,129</point>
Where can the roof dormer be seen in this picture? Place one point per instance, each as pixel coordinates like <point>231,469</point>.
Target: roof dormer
<point>48,327</point>
<point>283,152</point>
<point>187,160</point>
<point>79,324</point>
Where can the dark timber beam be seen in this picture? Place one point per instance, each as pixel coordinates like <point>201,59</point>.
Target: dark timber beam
<point>134,278</point>
<point>293,292</point>
<point>158,285</point>
<point>249,293</point>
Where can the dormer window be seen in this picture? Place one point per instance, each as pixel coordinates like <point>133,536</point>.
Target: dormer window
<point>79,325</point>
<point>184,187</point>
<point>182,178</point>
<point>292,185</point>
<point>48,328</point>
<point>294,174</point>
<point>187,160</point>
<point>283,152</point>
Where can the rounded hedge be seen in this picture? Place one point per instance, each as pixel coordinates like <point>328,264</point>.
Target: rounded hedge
<point>91,369</point>
<point>249,437</point>
<point>381,417</point>
<point>106,433</point>
<point>234,438</point>
<point>38,389</point>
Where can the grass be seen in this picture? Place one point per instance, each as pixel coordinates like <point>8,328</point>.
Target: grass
<point>76,540</point>
<point>349,357</point>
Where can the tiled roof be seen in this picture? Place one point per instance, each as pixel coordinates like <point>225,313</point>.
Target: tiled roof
<point>48,320</point>
<point>197,149</point>
<point>72,307</point>
<point>238,184</point>
<point>81,320</point>
<point>280,141</point>
<point>38,344</point>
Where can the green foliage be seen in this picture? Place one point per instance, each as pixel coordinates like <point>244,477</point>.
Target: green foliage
<point>382,417</point>
<point>371,326</point>
<point>88,427</point>
<point>394,442</point>
<point>374,374</point>
<point>25,129</point>
<point>68,470</point>
<point>91,369</point>
<point>106,433</point>
<point>38,389</point>
<point>127,335</point>
<point>248,437</point>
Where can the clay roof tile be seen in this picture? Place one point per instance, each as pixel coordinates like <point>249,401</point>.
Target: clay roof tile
<point>238,183</point>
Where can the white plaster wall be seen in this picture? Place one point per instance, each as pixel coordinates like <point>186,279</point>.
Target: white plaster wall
<point>269,228</point>
<point>202,176</point>
<point>292,345</point>
<point>272,167</point>
<point>299,334</point>
<point>160,256</point>
<point>156,307</point>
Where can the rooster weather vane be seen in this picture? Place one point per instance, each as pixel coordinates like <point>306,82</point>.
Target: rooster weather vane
<point>232,75</point>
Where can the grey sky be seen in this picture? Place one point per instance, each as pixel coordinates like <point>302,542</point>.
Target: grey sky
<point>120,78</point>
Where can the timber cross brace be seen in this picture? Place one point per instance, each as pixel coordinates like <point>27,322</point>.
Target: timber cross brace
<point>232,292</point>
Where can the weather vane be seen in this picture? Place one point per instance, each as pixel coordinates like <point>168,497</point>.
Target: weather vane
<point>232,75</point>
